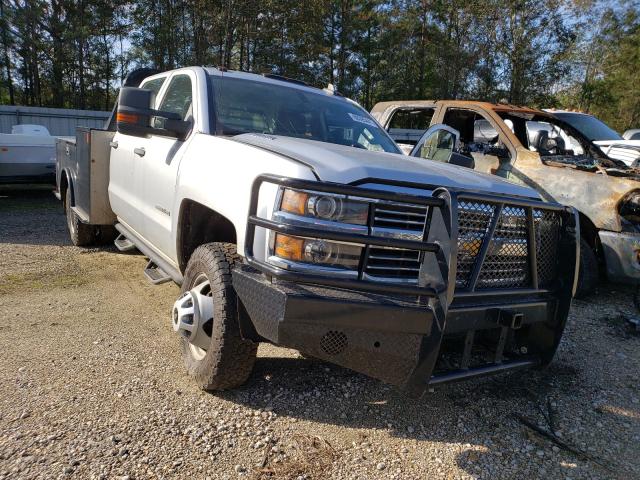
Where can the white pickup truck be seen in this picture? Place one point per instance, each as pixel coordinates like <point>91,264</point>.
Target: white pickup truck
<point>288,215</point>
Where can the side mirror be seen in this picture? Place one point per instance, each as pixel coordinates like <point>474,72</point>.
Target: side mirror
<point>462,160</point>
<point>134,115</point>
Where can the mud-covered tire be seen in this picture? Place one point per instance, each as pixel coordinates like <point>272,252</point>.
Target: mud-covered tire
<point>82,234</point>
<point>588,275</point>
<point>229,360</point>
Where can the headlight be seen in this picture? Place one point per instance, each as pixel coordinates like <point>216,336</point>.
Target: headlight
<point>334,208</point>
<point>329,211</point>
<point>630,208</point>
<point>317,252</point>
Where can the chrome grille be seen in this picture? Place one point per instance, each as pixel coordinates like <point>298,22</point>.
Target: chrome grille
<point>404,217</point>
<point>393,263</point>
<point>506,264</point>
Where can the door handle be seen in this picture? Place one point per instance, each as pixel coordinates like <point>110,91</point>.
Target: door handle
<point>140,151</point>
<point>113,144</point>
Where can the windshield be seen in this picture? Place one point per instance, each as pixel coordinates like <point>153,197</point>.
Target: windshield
<point>589,126</point>
<point>246,106</point>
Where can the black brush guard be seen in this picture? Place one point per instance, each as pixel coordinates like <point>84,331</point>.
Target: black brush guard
<point>393,331</point>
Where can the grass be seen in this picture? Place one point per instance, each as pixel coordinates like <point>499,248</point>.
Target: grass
<point>34,282</point>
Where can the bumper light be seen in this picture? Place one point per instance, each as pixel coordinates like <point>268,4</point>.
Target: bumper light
<point>317,252</point>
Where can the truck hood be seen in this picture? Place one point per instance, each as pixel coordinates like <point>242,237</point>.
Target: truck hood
<point>343,164</point>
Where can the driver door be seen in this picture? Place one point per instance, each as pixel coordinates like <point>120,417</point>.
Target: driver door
<point>160,157</point>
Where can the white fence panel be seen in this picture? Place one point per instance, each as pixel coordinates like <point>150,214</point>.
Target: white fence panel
<point>59,121</point>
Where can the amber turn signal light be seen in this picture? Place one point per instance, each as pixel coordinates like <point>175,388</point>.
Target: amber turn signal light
<point>127,117</point>
<point>294,202</point>
<point>290,248</point>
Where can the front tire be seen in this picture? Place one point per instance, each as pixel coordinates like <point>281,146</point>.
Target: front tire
<point>228,360</point>
<point>588,275</point>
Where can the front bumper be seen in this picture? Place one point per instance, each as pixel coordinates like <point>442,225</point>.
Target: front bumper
<point>395,339</point>
<point>622,255</point>
<point>407,334</point>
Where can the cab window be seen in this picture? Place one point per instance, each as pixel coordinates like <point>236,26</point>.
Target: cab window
<point>178,97</point>
<point>477,134</point>
<point>480,139</point>
<point>407,125</point>
<point>542,135</point>
<point>154,85</point>
<point>413,119</point>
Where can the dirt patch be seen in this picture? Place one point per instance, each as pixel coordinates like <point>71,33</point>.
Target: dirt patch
<point>307,457</point>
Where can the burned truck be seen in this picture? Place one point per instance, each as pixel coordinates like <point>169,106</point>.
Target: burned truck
<point>535,148</point>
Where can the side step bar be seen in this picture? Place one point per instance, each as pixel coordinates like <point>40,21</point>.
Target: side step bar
<point>123,244</point>
<point>162,265</point>
<point>155,274</point>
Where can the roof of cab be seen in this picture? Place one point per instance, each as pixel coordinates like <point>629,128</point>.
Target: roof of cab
<point>272,79</point>
<point>498,107</point>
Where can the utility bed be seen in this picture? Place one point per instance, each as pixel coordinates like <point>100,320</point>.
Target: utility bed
<point>83,163</point>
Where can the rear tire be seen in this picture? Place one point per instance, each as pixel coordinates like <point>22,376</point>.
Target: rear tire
<point>82,234</point>
<point>228,361</point>
<point>106,234</point>
<point>588,275</point>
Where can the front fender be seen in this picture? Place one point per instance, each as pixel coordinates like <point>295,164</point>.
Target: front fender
<point>218,173</point>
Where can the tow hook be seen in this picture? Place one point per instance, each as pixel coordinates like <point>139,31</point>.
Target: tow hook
<point>510,319</point>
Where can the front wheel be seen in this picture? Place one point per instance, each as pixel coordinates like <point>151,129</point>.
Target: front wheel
<point>205,315</point>
<point>588,275</point>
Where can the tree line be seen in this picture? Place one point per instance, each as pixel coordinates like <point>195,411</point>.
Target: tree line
<point>566,53</point>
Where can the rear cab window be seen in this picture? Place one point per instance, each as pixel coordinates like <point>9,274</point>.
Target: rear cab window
<point>407,125</point>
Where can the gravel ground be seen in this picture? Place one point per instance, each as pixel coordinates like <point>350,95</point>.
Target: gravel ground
<point>93,386</point>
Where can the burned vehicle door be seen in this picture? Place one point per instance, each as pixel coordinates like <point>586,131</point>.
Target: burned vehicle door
<point>480,138</point>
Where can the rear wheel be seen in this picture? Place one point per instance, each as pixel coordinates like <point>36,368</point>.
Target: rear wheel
<point>205,315</point>
<point>588,275</point>
<point>106,234</point>
<point>82,234</point>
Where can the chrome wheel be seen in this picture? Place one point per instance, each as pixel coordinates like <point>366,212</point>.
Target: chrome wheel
<point>192,316</point>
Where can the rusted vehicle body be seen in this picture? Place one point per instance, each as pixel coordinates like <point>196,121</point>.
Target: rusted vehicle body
<point>534,148</point>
